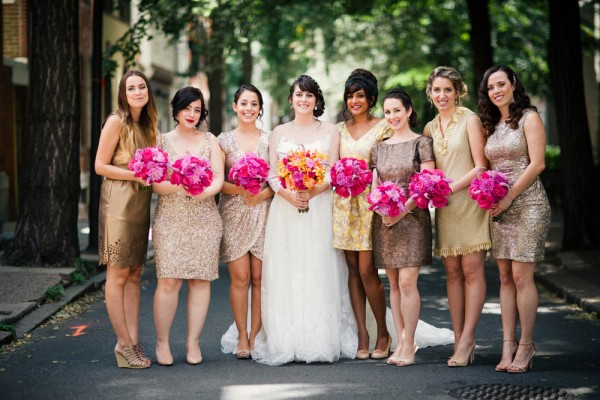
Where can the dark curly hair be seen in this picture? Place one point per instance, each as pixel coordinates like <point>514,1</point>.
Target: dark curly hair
<point>308,84</point>
<point>404,97</point>
<point>183,98</point>
<point>489,113</point>
<point>360,79</point>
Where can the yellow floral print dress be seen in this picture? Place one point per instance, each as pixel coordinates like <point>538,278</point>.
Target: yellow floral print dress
<point>351,216</point>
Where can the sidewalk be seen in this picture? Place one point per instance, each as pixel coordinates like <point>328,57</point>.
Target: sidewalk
<point>573,275</point>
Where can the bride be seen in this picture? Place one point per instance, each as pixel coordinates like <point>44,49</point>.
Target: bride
<point>305,304</point>
<point>306,311</point>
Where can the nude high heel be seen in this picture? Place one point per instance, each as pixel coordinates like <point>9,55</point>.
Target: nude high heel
<point>504,368</point>
<point>469,360</point>
<point>521,370</point>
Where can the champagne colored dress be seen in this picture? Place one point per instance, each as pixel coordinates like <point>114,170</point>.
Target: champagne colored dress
<point>408,242</point>
<point>124,214</point>
<point>352,219</point>
<point>519,232</point>
<point>243,226</point>
<point>186,231</point>
<point>461,227</point>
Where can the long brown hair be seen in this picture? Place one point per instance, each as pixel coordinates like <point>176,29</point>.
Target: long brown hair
<point>148,122</point>
<point>489,113</point>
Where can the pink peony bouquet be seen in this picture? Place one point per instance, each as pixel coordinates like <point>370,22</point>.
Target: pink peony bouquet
<point>151,164</point>
<point>388,199</point>
<point>488,188</point>
<point>429,188</point>
<point>193,173</point>
<point>249,172</point>
<point>350,176</point>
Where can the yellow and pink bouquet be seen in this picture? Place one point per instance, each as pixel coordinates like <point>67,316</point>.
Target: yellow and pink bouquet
<point>302,170</point>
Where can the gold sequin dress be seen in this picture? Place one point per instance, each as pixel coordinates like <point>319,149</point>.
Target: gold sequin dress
<point>243,226</point>
<point>124,214</point>
<point>461,227</point>
<point>352,219</point>
<point>408,242</point>
<point>519,232</point>
<point>186,232</point>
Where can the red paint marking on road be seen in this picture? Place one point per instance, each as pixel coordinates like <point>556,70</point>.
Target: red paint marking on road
<point>79,330</point>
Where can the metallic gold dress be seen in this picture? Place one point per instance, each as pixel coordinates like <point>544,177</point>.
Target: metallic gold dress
<point>186,232</point>
<point>461,227</point>
<point>352,219</point>
<point>123,215</point>
<point>408,242</point>
<point>243,226</point>
<point>519,232</point>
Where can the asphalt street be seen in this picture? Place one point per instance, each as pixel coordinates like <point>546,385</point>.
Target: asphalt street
<point>74,359</point>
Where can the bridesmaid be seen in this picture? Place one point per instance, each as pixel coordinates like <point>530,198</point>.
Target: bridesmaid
<point>124,215</point>
<point>462,230</point>
<point>351,216</point>
<point>402,244</point>
<point>186,230</point>
<point>516,147</point>
<point>244,219</point>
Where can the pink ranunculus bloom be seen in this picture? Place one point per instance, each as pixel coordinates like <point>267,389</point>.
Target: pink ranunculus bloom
<point>151,164</point>
<point>485,201</point>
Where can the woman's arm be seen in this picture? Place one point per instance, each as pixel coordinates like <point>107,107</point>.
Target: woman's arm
<point>536,147</point>
<point>332,156</point>
<point>228,187</point>
<point>476,136</point>
<point>109,139</point>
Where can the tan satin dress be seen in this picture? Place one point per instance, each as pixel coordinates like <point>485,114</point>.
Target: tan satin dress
<point>124,214</point>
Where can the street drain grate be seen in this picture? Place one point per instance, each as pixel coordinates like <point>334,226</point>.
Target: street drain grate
<point>507,391</point>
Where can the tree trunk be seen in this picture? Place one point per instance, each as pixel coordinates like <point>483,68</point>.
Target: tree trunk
<point>481,41</point>
<point>580,185</point>
<point>95,180</point>
<point>46,232</point>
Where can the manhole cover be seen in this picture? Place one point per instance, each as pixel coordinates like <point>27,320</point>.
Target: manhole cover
<point>507,391</point>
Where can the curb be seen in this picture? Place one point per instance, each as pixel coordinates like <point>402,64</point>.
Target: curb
<point>561,278</point>
<point>41,314</point>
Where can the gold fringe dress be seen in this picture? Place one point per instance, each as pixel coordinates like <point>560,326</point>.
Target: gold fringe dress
<point>461,227</point>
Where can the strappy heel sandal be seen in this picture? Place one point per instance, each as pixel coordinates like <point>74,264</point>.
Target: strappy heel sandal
<point>469,360</point>
<point>512,369</point>
<point>503,368</point>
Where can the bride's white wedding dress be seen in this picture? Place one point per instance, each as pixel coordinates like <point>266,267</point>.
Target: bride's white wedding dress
<point>306,311</point>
